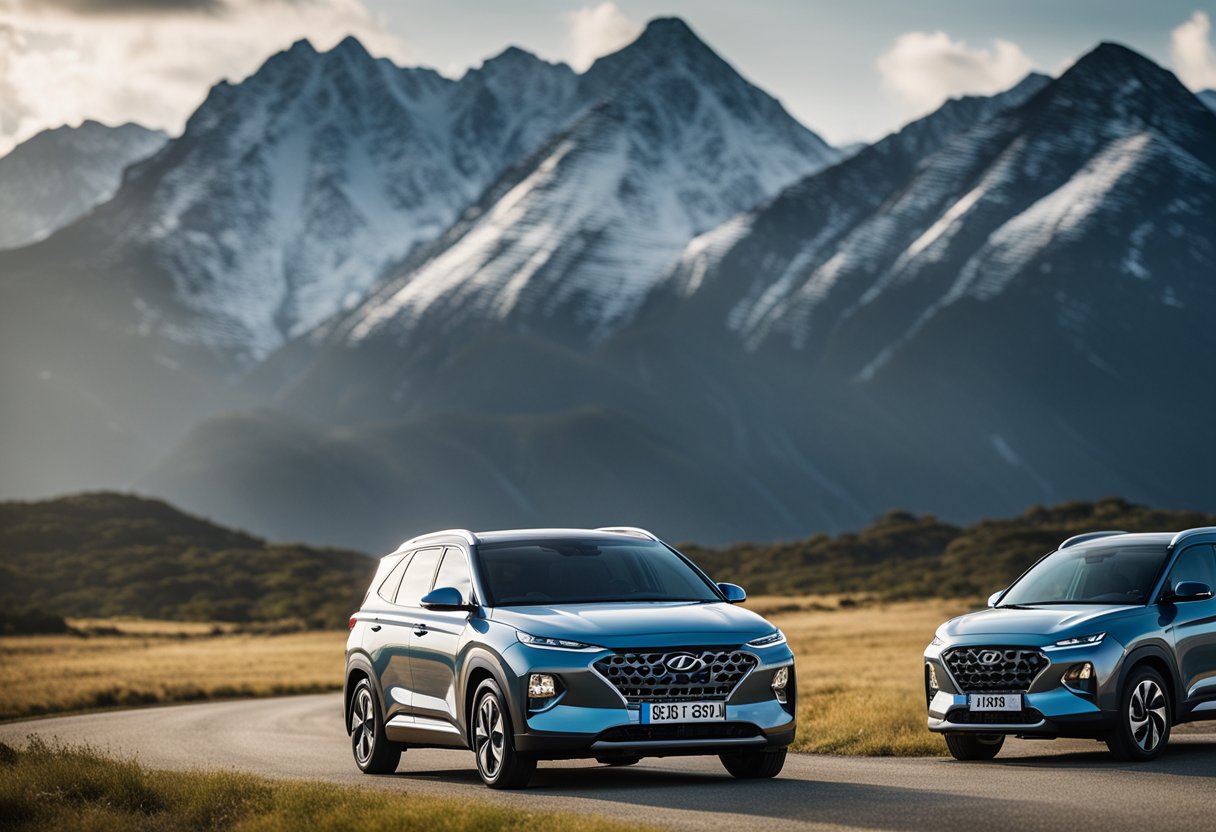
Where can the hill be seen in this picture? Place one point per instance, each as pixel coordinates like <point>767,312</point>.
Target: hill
<point>907,556</point>
<point>105,554</point>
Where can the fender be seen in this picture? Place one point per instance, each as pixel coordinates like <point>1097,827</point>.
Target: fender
<point>1157,651</point>
<point>362,661</point>
<point>479,658</point>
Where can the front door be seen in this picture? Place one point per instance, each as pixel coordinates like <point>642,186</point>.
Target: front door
<point>1194,625</point>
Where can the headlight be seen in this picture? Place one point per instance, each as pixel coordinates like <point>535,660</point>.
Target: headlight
<point>553,643</point>
<point>781,679</point>
<point>1080,641</point>
<point>770,640</point>
<point>937,640</point>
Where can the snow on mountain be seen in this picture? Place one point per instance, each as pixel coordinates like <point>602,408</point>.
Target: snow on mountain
<point>289,194</point>
<point>571,241</point>
<point>59,175</point>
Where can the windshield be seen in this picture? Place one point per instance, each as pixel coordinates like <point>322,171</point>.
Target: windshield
<point>587,572</point>
<point>1108,574</point>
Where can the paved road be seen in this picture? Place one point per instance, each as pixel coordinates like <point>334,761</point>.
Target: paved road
<point>1033,785</point>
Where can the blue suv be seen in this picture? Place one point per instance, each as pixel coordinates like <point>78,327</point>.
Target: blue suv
<point>551,644</point>
<point>1111,637</point>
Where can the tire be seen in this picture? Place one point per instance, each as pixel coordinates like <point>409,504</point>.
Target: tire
<point>498,763</point>
<point>754,765</point>
<point>618,761</point>
<point>373,752</point>
<point>974,747</point>
<point>1145,718</point>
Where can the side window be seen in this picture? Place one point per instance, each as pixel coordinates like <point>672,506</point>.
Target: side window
<point>454,571</point>
<point>1197,563</point>
<point>417,580</point>
<point>388,587</point>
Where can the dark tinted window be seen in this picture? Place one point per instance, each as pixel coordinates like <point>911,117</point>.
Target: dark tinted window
<point>454,571</point>
<point>1093,574</point>
<point>417,580</point>
<point>1196,563</point>
<point>388,587</point>
<point>587,571</point>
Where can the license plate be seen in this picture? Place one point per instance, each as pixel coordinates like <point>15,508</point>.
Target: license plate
<point>995,702</point>
<point>653,712</point>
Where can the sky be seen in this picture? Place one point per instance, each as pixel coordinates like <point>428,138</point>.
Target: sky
<point>850,71</point>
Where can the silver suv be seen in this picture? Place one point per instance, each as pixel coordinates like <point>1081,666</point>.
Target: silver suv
<point>559,643</point>
<point>1112,637</point>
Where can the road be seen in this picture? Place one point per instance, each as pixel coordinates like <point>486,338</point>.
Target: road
<point>1033,785</point>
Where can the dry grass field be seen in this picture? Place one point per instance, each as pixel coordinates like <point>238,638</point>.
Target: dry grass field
<point>859,668</point>
<point>157,662</point>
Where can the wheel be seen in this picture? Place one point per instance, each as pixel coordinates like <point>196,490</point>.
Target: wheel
<point>1143,728</point>
<point>373,751</point>
<point>618,761</point>
<point>754,765</point>
<point>498,763</point>
<point>970,747</point>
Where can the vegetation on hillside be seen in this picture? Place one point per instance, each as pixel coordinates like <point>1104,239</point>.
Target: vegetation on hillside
<point>906,556</point>
<point>49,788</point>
<point>105,555</point>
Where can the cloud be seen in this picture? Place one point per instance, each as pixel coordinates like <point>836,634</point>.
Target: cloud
<point>59,65</point>
<point>1192,52</point>
<point>926,68</point>
<point>596,31</point>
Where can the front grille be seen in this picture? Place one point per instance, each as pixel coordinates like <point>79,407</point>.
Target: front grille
<point>962,716</point>
<point>1003,669</point>
<point>680,731</point>
<point>648,676</point>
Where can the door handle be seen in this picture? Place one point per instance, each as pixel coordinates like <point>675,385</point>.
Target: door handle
<point>375,628</point>
<point>420,630</point>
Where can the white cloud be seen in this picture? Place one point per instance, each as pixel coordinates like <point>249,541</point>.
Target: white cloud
<point>59,65</point>
<point>926,68</point>
<point>1192,52</point>
<point>596,31</point>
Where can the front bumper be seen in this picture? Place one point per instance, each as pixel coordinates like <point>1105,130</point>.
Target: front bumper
<point>589,718</point>
<point>1050,708</point>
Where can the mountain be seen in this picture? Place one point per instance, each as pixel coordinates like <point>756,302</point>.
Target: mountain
<point>1208,97</point>
<point>106,554</point>
<point>59,175</point>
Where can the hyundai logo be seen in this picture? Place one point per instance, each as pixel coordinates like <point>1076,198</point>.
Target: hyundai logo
<point>684,663</point>
<point>990,657</point>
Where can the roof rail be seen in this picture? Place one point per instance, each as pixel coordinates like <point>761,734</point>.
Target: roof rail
<point>468,536</point>
<point>1082,538</point>
<point>630,530</point>
<point>1183,535</point>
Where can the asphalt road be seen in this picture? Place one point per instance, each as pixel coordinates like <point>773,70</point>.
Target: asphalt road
<point>1033,785</point>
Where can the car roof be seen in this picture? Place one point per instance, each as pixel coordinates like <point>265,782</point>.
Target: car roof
<point>1162,538</point>
<point>520,535</point>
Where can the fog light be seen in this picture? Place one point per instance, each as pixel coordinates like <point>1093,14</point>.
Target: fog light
<point>781,678</point>
<point>541,686</point>
<point>1081,678</point>
<point>933,685</point>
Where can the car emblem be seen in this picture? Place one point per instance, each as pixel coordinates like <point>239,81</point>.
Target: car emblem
<point>684,663</point>
<point>990,657</point>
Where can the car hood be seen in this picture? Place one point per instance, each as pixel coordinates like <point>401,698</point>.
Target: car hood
<point>657,624</point>
<point>1051,622</point>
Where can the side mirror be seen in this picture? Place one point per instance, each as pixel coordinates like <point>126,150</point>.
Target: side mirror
<point>445,599</point>
<point>1185,591</point>
<point>733,592</point>
<point>994,597</point>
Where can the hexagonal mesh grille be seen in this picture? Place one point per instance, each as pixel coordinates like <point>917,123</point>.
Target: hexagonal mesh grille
<point>1003,669</point>
<point>649,677</point>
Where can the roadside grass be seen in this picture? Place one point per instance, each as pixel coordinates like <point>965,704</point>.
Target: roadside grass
<point>53,788</point>
<point>860,674</point>
<point>860,677</point>
<point>160,662</point>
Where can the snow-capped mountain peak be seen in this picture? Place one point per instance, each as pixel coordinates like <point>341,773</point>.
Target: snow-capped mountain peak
<point>671,143</point>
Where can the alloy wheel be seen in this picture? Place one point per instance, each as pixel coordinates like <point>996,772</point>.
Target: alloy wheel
<point>1147,714</point>
<point>363,726</point>
<point>489,737</point>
